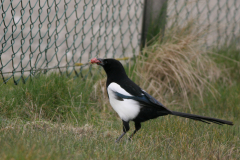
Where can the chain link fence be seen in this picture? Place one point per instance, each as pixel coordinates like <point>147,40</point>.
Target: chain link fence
<point>220,19</point>
<point>37,36</point>
<point>55,34</point>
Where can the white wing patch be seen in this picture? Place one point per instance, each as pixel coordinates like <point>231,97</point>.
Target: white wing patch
<point>127,109</point>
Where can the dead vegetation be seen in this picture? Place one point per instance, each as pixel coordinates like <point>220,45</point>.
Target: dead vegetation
<point>47,126</point>
<point>172,69</point>
<point>177,66</point>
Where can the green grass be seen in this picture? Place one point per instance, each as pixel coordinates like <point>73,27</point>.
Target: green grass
<point>55,117</point>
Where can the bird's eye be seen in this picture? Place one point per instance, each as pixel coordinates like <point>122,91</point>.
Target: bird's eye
<point>106,62</point>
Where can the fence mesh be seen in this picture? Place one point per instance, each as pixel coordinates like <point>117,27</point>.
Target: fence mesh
<point>36,36</point>
<point>41,35</point>
<point>220,19</point>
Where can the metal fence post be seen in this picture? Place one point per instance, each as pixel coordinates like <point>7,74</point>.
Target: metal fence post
<point>154,19</point>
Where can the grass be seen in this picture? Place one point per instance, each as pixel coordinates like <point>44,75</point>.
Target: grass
<point>177,66</point>
<point>55,117</point>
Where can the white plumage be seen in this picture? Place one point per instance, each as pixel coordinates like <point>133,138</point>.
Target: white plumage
<point>127,109</point>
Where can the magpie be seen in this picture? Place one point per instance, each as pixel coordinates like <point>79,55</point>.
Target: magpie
<point>133,103</point>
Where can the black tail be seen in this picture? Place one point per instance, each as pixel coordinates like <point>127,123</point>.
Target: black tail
<point>202,118</point>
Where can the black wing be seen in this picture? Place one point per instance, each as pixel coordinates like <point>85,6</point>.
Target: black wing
<point>145,100</point>
<point>129,86</point>
<point>154,101</point>
<point>139,95</point>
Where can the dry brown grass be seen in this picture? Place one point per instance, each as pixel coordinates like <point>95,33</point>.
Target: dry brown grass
<point>172,69</point>
<point>178,66</point>
<point>42,125</point>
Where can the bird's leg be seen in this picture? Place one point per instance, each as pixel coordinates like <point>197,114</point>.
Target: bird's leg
<point>137,127</point>
<point>118,139</point>
<point>125,129</point>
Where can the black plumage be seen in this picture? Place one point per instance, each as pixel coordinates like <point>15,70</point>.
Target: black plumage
<point>134,104</point>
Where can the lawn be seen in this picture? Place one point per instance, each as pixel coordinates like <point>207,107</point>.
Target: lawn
<point>57,117</point>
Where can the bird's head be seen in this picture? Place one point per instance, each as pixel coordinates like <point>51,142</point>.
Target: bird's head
<point>111,66</point>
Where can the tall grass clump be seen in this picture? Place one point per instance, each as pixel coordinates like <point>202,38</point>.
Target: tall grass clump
<point>177,67</point>
<point>52,97</point>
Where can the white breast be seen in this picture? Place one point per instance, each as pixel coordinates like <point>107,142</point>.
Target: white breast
<point>127,109</point>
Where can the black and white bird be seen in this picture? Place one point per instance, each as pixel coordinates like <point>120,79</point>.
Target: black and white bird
<point>134,104</point>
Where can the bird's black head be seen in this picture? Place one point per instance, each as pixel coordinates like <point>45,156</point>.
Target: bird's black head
<point>111,66</point>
